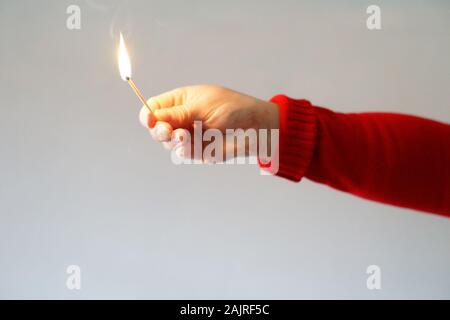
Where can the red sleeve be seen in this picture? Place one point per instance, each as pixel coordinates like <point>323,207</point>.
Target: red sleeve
<point>391,158</point>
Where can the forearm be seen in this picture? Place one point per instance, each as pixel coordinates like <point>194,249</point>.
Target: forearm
<point>391,158</point>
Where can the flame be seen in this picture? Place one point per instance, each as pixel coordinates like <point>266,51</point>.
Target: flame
<point>124,60</point>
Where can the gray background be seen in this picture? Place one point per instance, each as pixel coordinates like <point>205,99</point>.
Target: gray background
<point>81,182</point>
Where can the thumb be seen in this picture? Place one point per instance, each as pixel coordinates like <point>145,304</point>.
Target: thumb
<point>177,117</point>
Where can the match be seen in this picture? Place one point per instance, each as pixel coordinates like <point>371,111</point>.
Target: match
<point>125,71</point>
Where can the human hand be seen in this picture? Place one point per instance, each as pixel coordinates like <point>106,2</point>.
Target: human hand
<point>174,112</point>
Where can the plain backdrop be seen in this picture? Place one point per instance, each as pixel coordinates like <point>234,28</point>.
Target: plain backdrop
<point>82,183</point>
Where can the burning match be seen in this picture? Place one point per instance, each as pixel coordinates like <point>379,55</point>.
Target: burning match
<point>125,70</point>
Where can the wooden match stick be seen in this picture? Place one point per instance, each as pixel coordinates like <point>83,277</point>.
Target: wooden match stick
<point>138,93</point>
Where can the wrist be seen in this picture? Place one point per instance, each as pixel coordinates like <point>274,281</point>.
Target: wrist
<point>269,116</point>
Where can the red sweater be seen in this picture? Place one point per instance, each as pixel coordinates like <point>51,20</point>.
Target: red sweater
<point>391,158</point>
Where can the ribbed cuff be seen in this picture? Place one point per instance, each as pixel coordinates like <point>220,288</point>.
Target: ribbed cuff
<point>297,137</point>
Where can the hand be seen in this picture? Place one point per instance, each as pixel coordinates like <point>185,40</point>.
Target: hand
<point>174,113</point>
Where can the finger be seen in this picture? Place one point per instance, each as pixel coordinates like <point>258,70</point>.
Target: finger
<point>184,144</point>
<point>177,117</point>
<point>179,137</point>
<point>153,134</point>
<point>166,100</point>
<point>146,118</point>
<point>181,143</point>
<point>183,151</point>
<point>162,131</point>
